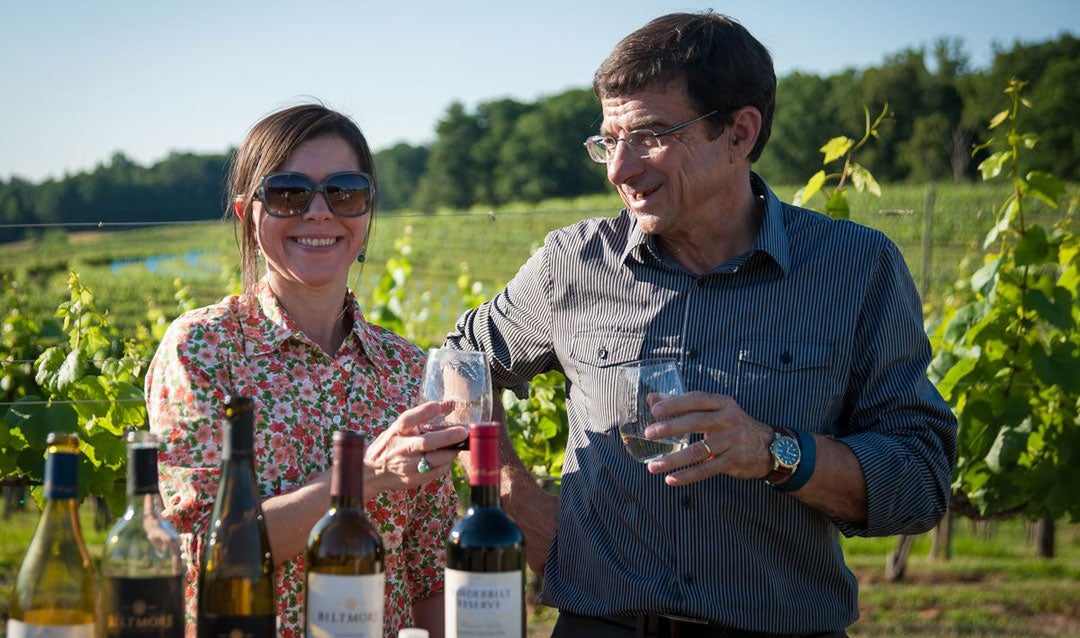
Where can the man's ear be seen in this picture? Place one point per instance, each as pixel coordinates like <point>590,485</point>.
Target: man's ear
<point>238,207</point>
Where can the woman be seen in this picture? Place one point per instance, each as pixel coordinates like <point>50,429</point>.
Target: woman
<point>303,190</point>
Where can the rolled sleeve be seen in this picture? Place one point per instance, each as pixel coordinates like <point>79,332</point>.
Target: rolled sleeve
<point>901,430</point>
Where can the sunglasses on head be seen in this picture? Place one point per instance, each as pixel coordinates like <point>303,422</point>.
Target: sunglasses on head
<point>348,194</point>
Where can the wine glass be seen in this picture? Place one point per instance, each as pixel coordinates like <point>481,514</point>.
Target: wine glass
<point>635,381</point>
<point>460,376</point>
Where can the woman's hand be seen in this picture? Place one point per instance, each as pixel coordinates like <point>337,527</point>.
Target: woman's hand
<point>391,461</point>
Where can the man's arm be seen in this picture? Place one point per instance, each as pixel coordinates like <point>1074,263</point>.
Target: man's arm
<point>535,511</point>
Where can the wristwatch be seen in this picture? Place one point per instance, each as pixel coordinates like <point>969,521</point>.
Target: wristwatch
<point>786,454</point>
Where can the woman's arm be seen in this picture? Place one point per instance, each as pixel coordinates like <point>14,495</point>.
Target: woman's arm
<point>389,464</point>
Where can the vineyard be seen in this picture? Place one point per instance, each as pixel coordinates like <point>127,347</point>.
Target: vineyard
<point>998,264</point>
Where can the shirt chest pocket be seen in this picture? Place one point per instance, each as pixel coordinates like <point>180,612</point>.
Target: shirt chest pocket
<point>787,382</point>
<point>596,355</point>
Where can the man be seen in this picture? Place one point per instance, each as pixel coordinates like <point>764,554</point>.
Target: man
<point>799,339</point>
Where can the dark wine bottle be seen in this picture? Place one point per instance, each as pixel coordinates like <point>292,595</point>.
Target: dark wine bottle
<point>142,568</point>
<point>344,583</point>
<point>236,577</point>
<point>55,592</point>
<point>485,555</point>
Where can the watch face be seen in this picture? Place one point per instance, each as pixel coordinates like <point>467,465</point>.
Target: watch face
<point>786,451</point>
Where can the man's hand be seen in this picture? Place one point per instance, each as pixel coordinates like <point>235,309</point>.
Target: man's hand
<point>735,443</point>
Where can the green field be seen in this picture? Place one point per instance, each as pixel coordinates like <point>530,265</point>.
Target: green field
<point>939,248</point>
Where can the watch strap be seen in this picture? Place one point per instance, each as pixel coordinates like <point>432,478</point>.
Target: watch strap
<point>808,449</point>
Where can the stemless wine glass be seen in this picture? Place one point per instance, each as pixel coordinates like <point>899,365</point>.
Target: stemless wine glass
<point>634,382</point>
<point>462,377</point>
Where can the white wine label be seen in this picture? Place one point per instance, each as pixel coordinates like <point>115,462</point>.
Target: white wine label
<point>17,629</point>
<point>483,604</point>
<point>151,606</point>
<point>345,606</point>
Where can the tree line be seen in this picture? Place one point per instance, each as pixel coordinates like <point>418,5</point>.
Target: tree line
<point>508,151</point>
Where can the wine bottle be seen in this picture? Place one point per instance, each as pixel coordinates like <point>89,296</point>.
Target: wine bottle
<point>236,576</point>
<point>55,592</point>
<point>485,555</point>
<point>142,568</point>
<point>343,567</point>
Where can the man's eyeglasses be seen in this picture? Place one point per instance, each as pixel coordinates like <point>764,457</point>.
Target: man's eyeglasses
<point>644,143</point>
<point>348,194</point>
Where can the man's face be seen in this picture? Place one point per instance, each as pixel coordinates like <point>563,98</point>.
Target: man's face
<point>679,184</point>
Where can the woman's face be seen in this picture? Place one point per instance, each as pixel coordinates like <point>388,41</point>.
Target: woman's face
<point>315,250</point>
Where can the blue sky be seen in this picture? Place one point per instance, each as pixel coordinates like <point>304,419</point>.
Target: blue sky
<point>82,80</point>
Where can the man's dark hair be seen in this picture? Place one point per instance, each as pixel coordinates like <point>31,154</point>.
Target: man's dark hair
<point>724,68</point>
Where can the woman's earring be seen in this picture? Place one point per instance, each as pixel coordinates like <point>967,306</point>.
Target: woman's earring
<point>360,258</point>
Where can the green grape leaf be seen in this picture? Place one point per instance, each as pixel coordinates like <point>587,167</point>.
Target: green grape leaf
<point>109,449</point>
<point>91,394</point>
<point>836,148</point>
<point>837,205</point>
<point>70,371</point>
<point>35,420</point>
<point>1057,313</point>
<point>813,186</point>
<point>128,409</point>
<point>1060,367</point>
<point>864,181</point>
<point>998,119</point>
<point>985,278</point>
<point>1046,187</point>
<point>1032,248</point>
<point>31,462</point>
<point>992,166</point>
<point>48,365</point>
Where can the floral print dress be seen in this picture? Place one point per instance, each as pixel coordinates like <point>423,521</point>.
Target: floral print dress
<point>303,395</point>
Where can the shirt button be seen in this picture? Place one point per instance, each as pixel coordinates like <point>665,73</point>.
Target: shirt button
<point>692,353</point>
<point>786,358</point>
<point>602,354</point>
<point>687,503</point>
<point>688,579</point>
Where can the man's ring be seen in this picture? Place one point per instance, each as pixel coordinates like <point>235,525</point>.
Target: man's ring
<point>708,449</point>
<point>423,466</point>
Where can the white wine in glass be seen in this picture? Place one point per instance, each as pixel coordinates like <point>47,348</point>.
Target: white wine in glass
<point>639,385</point>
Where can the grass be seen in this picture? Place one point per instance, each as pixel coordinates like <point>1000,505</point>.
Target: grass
<point>992,586</point>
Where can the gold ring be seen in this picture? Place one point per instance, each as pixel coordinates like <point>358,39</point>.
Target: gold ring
<point>708,449</point>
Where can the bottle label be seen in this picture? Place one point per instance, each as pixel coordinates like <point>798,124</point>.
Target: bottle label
<point>484,604</point>
<point>345,605</point>
<point>18,629</point>
<point>151,606</point>
<point>213,626</point>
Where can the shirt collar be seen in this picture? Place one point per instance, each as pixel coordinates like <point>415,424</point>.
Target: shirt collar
<point>771,238</point>
<point>266,326</point>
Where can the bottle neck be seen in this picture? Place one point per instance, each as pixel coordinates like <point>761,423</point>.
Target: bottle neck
<point>347,472</point>
<point>347,501</point>
<point>484,496</point>
<point>484,457</point>
<point>146,504</point>
<point>60,521</point>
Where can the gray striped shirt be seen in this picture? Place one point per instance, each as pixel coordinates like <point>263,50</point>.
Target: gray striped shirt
<point>817,327</point>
